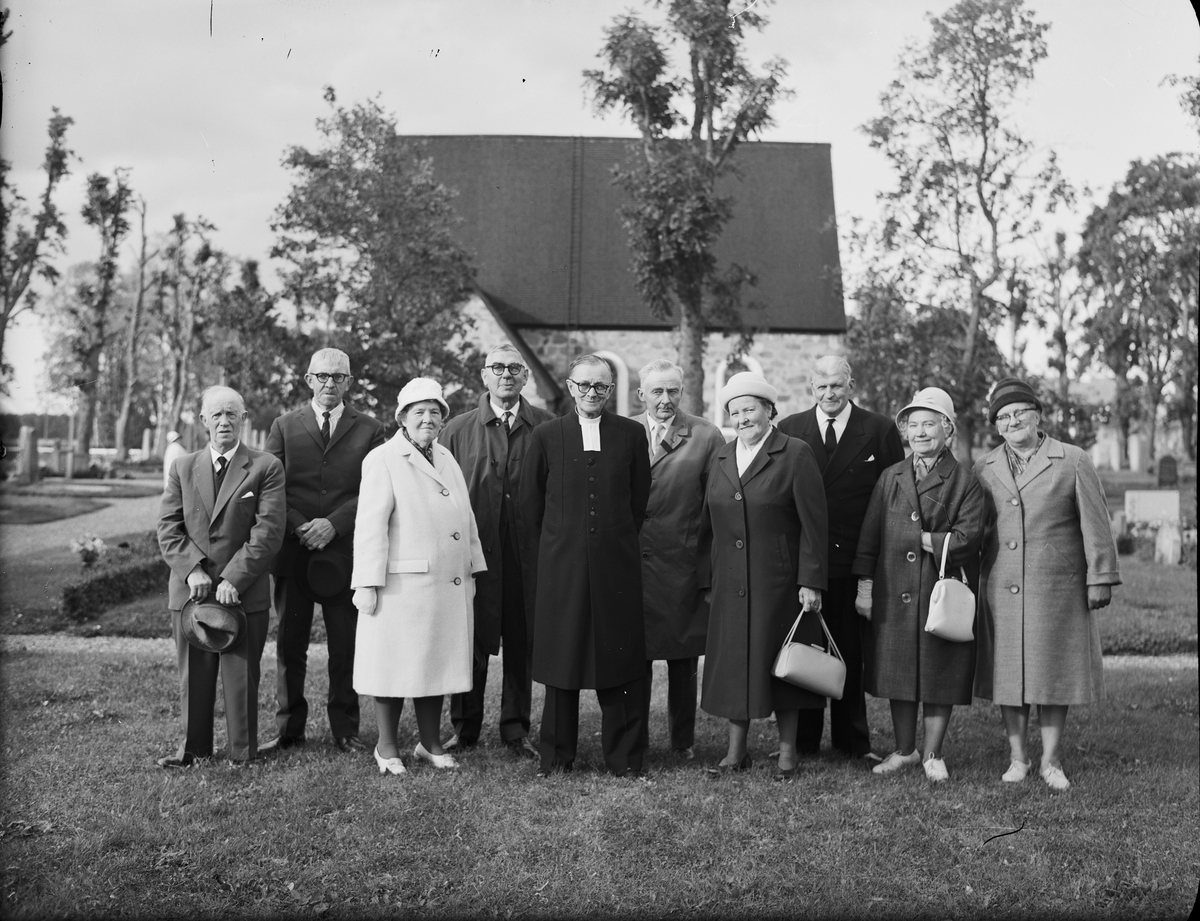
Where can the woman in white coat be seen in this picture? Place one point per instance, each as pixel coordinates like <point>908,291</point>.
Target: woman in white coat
<point>416,552</point>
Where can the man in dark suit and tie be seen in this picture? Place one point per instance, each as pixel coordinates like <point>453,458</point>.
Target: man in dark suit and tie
<point>222,520</point>
<point>321,446</point>
<point>853,446</point>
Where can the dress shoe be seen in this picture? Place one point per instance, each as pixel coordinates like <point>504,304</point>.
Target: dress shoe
<point>743,765</point>
<point>895,761</point>
<point>350,744</point>
<point>441,762</point>
<point>187,759</point>
<point>521,747</point>
<point>389,765</point>
<point>280,743</point>
<point>935,769</point>
<point>1054,777</point>
<point>1017,771</point>
<point>685,754</point>
<point>455,744</point>
<point>545,772</point>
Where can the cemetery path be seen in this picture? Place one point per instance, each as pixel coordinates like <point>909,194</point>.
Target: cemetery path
<point>120,516</point>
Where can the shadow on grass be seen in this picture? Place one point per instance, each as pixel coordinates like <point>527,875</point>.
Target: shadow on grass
<point>93,827</point>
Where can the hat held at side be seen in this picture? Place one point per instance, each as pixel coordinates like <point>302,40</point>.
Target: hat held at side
<point>211,626</point>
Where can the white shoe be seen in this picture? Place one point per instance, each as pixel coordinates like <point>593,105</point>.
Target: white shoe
<point>895,761</point>
<point>442,762</point>
<point>1054,777</point>
<point>1017,771</point>
<point>389,765</point>
<point>935,769</point>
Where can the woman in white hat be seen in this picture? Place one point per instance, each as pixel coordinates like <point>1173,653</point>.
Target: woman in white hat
<point>918,506</point>
<point>765,515</point>
<point>416,551</point>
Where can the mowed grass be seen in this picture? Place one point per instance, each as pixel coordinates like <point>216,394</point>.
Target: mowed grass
<point>31,509</point>
<point>92,827</point>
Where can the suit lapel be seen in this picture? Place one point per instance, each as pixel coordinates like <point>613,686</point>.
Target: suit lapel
<point>999,464</point>
<point>1038,464</point>
<point>908,486</point>
<point>344,425</point>
<point>729,464</point>
<point>235,476</point>
<point>774,442</point>
<point>309,418</point>
<point>851,442</point>
<point>810,431</point>
<point>413,456</point>
<point>202,477</point>
<point>938,475</point>
<point>671,440</point>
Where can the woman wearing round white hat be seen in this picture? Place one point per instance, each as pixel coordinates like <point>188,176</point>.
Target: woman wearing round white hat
<point>918,506</point>
<point>416,551</point>
<point>765,515</point>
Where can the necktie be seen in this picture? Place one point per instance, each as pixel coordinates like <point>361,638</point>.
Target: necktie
<point>830,440</point>
<point>508,422</point>
<point>656,434</point>
<point>325,427</point>
<point>222,463</point>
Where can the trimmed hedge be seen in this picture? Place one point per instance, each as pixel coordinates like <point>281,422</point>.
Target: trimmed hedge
<point>132,571</point>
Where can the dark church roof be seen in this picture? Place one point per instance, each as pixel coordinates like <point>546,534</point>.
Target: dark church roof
<point>540,215</point>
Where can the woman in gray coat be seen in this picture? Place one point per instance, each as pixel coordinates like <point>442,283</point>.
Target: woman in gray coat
<point>918,506</point>
<point>1048,560</point>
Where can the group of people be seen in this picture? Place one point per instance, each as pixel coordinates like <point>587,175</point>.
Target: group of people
<point>590,545</point>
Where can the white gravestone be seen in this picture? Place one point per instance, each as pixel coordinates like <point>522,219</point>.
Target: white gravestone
<point>1143,505</point>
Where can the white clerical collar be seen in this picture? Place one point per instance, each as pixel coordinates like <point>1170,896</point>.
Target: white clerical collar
<point>591,431</point>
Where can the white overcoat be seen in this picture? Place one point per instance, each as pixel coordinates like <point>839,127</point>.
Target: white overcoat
<point>416,541</point>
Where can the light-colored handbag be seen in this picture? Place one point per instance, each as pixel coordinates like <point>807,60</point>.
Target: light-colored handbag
<point>811,667</point>
<point>951,606</point>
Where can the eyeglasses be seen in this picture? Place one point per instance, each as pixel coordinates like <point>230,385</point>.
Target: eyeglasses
<point>1017,415</point>
<point>323,377</point>
<point>585,386</point>
<point>499,369</point>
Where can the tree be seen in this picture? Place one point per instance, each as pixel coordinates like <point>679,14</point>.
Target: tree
<point>134,333</point>
<point>1140,252</point>
<point>970,190</point>
<point>368,235</point>
<point>28,243</point>
<point>676,216</point>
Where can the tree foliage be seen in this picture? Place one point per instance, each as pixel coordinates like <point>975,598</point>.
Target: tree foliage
<point>970,189</point>
<point>676,215</point>
<point>373,264</point>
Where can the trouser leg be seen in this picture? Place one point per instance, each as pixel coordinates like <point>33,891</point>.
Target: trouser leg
<point>466,709</point>
<point>681,701</point>
<point>341,627</point>
<point>647,696</point>
<point>291,656</point>
<point>622,722</point>
<point>560,728</point>
<point>516,694</point>
<point>239,683</point>
<point>848,730</point>
<point>197,692</point>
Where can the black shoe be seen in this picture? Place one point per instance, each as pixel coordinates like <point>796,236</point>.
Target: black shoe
<point>743,765</point>
<point>279,744</point>
<point>187,759</point>
<point>521,747</point>
<point>455,744</point>
<point>684,754</point>
<point>543,773</point>
<point>350,744</point>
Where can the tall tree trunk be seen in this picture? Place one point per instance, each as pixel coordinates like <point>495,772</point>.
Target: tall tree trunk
<point>691,356</point>
<point>133,333</point>
<point>89,387</point>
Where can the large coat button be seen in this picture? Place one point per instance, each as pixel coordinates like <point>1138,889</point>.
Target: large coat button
<point>906,598</point>
<point>738,496</point>
<point>916,517</point>
<point>741,592</point>
<point>1015,501</point>
<point>445,492</point>
<point>738,544</point>
<point>457,580</point>
<point>645,554</point>
<point>1015,589</point>
<point>457,536</point>
<point>912,557</point>
<point>1012,545</point>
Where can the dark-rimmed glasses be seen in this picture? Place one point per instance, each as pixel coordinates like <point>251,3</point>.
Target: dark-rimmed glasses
<point>324,376</point>
<point>584,386</point>
<point>499,369</point>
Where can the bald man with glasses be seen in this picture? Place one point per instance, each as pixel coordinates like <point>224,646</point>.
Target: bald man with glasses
<point>490,443</point>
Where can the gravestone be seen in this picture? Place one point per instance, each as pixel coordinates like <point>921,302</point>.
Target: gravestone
<point>27,456</point>
<point>1144,505</point>
<point>146,435</point>
<point>1168,545</point>
<point>1168,472</point>
<point>1139,454</point>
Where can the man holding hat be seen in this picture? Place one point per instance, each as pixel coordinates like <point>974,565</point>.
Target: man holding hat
<point>221,524</point>
<point>321,446</point>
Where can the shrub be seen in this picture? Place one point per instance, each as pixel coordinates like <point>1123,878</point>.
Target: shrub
<point>133,569</point>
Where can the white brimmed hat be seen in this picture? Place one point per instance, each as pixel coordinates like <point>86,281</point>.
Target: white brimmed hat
<point>747,384</point>
<point>418,389</point>
<point>934,398</point>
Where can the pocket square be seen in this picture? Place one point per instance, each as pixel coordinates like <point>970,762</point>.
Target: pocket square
<point>869,459</point>
<point>249,495</point>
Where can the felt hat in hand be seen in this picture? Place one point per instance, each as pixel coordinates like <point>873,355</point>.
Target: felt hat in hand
<point>324,575</point>
<point>211,626</point>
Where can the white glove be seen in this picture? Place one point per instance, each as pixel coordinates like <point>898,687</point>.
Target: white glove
<point>364,600</point>
<point>862,601</point>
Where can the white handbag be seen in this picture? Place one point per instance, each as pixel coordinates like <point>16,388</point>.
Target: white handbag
<point>811,667</point>
<point>951,606</point>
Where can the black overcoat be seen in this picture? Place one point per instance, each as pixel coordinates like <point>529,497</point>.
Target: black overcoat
<point>585,509</point>
<point>900,660</point>
<point>767,530</point>
<point>491,460</point>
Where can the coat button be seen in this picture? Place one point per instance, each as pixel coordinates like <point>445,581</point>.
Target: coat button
<point>593,530</point>
<point>741,592</point>
<point>738,544</point>
<point>323,491</point>
<point>445,492</point>
<point>1015,589</point>
<point>1012,545</point>
<point>457,580</point>
<point>591,462</point>
<point>592,513</point>
<point>738,496</point>
<point>591,495</point>
<point>508,495</point>
<point>324,463</point>
<point>645,554</point>
<point>1015,501</point>
<point>912,557</point>
<point>457,536</point>
<point>916,517</point>
<point>906,598</point>
<point>591,479</point>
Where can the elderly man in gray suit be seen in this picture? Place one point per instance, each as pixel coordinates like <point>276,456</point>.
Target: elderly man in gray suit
<point>682,447</point>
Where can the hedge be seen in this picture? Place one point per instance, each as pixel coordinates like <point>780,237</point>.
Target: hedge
<point>133,570</point>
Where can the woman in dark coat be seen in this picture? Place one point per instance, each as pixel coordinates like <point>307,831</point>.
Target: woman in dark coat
<point>918,505</point>
<point>765,516</point>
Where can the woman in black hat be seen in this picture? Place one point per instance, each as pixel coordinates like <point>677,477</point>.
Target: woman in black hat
<point>1049,560</point>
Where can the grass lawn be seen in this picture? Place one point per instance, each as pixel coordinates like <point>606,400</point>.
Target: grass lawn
<point>18,508</point>
<point>92,827</point>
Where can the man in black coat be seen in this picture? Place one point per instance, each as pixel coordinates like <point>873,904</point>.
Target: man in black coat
<point>584,490</point>
<point>853,447</point>
<point>489,443</point>
<point>321,446</point>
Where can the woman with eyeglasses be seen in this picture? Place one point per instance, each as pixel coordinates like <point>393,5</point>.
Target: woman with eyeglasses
<point>416,552</point>
<point>1049,560</point>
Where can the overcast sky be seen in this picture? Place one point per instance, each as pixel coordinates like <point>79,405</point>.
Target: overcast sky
<point>202,118</point>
